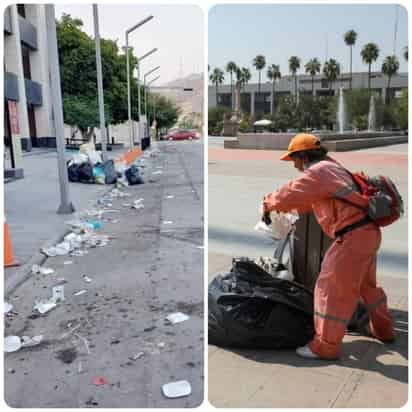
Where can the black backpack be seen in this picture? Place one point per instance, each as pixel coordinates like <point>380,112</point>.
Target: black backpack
<point>249,308</point>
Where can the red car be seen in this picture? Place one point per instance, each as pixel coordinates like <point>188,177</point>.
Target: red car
<point>182,135</point>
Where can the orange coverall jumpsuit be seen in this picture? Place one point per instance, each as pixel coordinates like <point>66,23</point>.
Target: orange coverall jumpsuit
<point>348,270</point>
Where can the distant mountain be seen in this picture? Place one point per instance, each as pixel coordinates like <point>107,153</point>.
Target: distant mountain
<point>188,101</point>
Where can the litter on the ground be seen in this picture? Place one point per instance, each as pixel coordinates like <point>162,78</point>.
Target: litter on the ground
<point>86,279</point>
<point>27,341</point>
<point>137,204</point>
<point>158,172</point>
<point>44,306</point>
<point>177,389</point>
<point>137,356</point>
<point>12,344</point>
<point>161,345</point>
<point>80,292</point>
<point>85,341</point>
<point>42,270</point>
<point>177,317</point>
<point>58,293</point>
<point>7,307</point>
<point>99,381</point>
<point>67,262</point>
<point>169,197</point>
<point>167,222</point>
<point>79,252</point>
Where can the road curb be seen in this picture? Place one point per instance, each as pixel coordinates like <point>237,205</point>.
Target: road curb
<point>23,273</point>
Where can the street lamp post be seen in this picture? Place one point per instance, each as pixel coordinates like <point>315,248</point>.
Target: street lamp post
<point>138,85</point>
<point>129,109</point>
<point>154,101</point>
<point>100,82</point>
<point>66,205</point>
<point>145,90</point>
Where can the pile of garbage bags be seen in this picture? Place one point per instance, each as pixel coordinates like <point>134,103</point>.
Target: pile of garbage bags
<point>88,167</point>
<point>249,308</point>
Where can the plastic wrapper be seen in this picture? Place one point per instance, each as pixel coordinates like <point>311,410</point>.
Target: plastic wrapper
<point>282,224</point>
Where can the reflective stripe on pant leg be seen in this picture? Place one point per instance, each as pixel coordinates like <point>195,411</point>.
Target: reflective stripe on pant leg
<point>381,321</point>
<point>336,296</point>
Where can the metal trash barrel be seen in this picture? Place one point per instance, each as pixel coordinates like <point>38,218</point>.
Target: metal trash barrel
<point>310,246</point>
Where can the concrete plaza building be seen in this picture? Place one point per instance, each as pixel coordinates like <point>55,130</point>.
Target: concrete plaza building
<point>28,114</point>
<point>253,103</point>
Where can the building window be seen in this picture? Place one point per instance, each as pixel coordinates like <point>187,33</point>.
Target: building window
<point>21,10</point>
<point>25,52</point>
<point>324,83</point>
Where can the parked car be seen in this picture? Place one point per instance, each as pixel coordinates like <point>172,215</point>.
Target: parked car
<point>182,135</point>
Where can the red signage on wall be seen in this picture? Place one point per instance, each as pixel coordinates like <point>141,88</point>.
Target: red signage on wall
<point>14,119</point>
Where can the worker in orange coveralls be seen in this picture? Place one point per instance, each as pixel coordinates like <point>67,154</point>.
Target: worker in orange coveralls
<point>348,270</point>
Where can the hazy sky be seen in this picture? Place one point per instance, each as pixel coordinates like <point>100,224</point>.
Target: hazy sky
<point>176,30</point>
<point>306,31</point>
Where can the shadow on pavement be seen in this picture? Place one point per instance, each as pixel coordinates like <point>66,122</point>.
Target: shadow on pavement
<point>360,353</point>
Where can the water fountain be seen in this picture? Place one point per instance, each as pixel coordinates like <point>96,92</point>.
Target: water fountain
<point>372,115</point>
<point>341,113</point>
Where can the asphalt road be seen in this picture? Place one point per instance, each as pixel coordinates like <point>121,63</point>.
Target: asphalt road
<point>152,267</point>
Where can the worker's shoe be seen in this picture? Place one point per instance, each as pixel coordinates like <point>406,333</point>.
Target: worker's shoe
<point>306,352</point>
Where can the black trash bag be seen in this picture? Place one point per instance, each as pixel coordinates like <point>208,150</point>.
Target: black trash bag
<point>109,172</point>
<point>86,173</point>
<point>248,308</point>
<point>73,172</point>
<point>133,177</point>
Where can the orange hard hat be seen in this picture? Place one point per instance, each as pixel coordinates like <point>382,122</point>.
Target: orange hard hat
<point>301,142</point>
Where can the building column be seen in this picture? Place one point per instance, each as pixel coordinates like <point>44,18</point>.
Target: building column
<point>252,103</point>
<point>14,60</point>
<point>39,60</point>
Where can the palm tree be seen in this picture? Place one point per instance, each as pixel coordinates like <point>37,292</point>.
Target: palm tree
<point>243,74</point>
<point>294,64</point>
<point>217,78</point>
<point>405,53</point>
<point>259,62</point>
<point>231,68</point>
<point>331,70</point>
<point>273,74</point>
<point>350,40</point>
<point>369,53</point>
<point>390,67</point>
<point>312,67</point>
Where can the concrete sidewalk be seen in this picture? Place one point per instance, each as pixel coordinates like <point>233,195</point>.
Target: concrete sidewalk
<point>369,374</point>
<point>31,204</point>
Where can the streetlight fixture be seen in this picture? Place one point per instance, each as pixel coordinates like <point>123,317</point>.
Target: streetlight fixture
<point>100,82</point>
<point>145,89</point>
<point>138,84</point>
<point>129,109</point>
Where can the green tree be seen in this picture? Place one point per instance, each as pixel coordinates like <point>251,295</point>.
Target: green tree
<point>331,70</point>
<point>312,67</point>
<point>167,112</point>
<point>370,53</point>
<point>215,119</point>
<point>294,65</point>
<point>390,67</point>
<point>243,75</point>
<point>403,110</point>
<point>83,112</point>
<point>259,62</point>
<point>77,59</point>
<point>231,68</point>
<point>273,74</point>
<point>217,77</point>
<point>350,40</point>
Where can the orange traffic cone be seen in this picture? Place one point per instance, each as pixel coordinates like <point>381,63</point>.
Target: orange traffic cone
<point>8,249</point>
